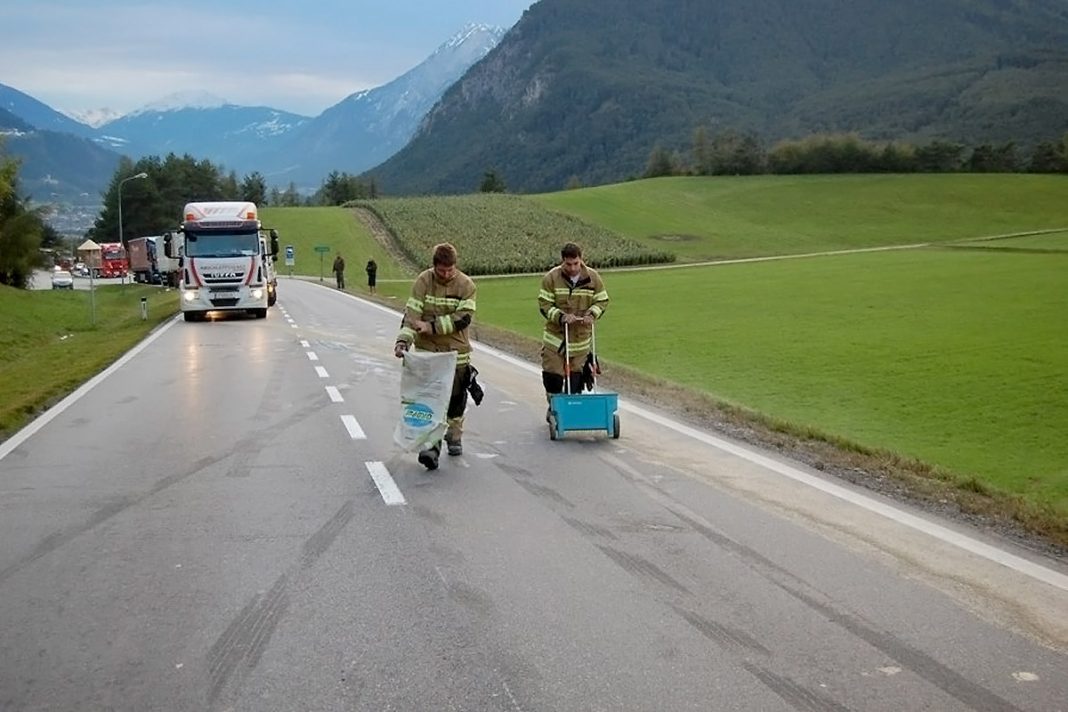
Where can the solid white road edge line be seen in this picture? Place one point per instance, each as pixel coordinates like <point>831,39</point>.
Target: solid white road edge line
<point>974,546</point>
<point>386,486</point>
<point>991,553</point>
<point>45,418</point>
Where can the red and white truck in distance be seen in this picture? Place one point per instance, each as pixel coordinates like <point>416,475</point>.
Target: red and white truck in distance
<point>111,261</point>
<point>228,260</point>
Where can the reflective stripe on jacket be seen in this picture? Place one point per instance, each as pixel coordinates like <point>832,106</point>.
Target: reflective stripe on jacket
<point>558,296</point>
<point>450,309</point>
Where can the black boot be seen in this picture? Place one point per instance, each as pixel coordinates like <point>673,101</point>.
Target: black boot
<point>428,458</point>
<point>455,447</point>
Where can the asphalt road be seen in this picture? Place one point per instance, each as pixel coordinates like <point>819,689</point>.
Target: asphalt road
<point>221,521</point>
<point>42,279</point>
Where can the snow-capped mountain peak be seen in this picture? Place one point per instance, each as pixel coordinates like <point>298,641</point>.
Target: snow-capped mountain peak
<point>184,100</point>
<point>489,35</point>
<point>94,117</point>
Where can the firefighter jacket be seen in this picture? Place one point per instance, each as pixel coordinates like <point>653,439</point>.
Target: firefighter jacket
<point>559,296</point>
<point>448,306</point>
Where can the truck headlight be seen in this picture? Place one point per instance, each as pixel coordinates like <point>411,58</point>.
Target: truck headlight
<point>257,294</point>
<point>190,295</point>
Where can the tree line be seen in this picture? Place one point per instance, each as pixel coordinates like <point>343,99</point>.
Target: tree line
<point>23,230</point>
<point>154,204</point>
<point>150,205</point>
<point>731,152</point>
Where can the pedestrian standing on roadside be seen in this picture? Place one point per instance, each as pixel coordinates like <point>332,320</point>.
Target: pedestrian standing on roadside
<point>339,270</point>
<point>372,275</point>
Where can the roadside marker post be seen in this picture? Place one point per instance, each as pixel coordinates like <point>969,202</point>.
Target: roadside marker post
<point>322,250</point>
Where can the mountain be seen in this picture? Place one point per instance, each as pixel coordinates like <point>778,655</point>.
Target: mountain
<point>40,115</point>
<point>368,127</point>
<point>585,89</point>
<point>55,166</point>
<point>94,117</point>
<point>203,126</point>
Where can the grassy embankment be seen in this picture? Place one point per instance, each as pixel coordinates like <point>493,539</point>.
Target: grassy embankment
<point>952,357</point>
<point>49,345</point>
<point>304,228</point>
<point>755,216</point>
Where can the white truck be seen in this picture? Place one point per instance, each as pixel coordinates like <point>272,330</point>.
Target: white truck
<point>227,262</point>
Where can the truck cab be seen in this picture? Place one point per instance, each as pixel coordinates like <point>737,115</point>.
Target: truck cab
<point>228,261</point>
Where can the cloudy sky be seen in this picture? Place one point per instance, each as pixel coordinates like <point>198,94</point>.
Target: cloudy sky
<point>298,55</point>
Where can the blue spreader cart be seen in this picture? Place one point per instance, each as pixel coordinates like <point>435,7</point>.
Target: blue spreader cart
<point>582,411</point>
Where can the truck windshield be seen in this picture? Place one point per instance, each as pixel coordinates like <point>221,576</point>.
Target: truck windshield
<point>221,244</point>
<point>113,253</point>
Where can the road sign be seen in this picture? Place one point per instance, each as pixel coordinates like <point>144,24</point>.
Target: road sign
<point>289,255</point>
<point>322,248</point>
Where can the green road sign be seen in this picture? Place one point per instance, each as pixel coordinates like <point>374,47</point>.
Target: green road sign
<point>322,248</point>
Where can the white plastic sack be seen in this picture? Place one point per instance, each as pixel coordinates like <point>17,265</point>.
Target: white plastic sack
<point>426,386</point>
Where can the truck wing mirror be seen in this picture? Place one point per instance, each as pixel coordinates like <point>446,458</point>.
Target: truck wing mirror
<point>168,248</point>
<point>274,243</point>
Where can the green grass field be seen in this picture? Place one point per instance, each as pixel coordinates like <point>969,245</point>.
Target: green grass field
<point>336,228</point>
<point>715,218</point>
<point>957,358</point>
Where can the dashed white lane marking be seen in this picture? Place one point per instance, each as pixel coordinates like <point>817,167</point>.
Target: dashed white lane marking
<point>305,344</point>
<point>322,372</point>
<point>355,431</point>
<point>294,326</point>
<point>312,356</point>
<point>386,486</point>
<point>335,395</point>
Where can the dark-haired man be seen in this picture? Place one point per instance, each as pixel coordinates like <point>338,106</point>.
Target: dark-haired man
<point>437,317</point>
<point>572,293</point>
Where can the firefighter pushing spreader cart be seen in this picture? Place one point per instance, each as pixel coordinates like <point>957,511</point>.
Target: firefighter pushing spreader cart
<point>572,298</point>
<point>583,411</point>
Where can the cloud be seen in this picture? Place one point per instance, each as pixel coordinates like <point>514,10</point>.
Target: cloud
<point>301,57</point>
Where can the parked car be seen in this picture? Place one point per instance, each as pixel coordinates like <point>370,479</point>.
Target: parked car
<point>62,279</point>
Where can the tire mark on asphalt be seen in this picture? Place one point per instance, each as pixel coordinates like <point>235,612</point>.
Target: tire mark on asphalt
<point>57,539</point>
<point>237,651</point>
<point>969,693</point>
<point>321,540</point>
<point>638,565</point>
<point>545,492</point>
<point>246,637</point>
<point>588,529</point>
<point>795,695</point>
<point>725,636</point>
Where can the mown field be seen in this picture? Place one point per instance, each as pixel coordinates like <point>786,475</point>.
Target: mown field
<point>956,358</point>
<point>502,234</point>
<point>49,344</point>
<point>750,216</point>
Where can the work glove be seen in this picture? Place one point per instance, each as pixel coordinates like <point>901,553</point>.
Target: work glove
<point>477,394</point>
<point>587,372</point>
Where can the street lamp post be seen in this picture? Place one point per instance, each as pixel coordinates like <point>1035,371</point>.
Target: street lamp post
<point>121,241</point>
